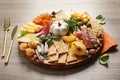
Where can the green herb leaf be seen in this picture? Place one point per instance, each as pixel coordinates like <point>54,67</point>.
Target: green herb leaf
<point>49,36</point>
<point>99,17</point>
<point>44,38</point>
<point>72,24</point>
<point>103,59</point>
<point>103,21</point>
<point>46,57</point>
<point>56,38</point>
<point>22,33</point>
<point>49,41</point>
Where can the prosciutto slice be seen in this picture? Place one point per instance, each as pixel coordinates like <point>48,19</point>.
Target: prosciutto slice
<point>86,37</point>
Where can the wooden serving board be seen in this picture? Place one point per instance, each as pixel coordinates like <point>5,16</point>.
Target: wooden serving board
<point>91,42</point>
<point>77,63</point>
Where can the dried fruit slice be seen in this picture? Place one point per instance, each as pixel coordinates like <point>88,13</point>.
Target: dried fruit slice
<point>69,38</point>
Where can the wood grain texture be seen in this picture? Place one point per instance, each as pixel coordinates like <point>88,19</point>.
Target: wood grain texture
<point>23,11</point>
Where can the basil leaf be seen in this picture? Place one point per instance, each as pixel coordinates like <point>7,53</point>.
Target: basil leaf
<point>102,22</point>
<point>49,36</point>
<point>22,33</point>
<point>46,37</point>
<point>49,41</point>
<point>43,38</point>
<point>46,57</point>
<point>99,17</point>
<point>103,59</point>
<point>56,38</point>
<point>103,19</point>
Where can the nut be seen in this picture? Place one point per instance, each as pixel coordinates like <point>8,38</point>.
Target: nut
<point>92,51</point>
<point>96,45</point>
<point>87,53</point>
<point>98,41</point>
<point>99,35</point>
<point>98,48</point>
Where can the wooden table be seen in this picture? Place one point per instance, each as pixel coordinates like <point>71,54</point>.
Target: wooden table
<point>23,11</point>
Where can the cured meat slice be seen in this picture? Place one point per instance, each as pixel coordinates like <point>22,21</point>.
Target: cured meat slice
<point>86,37</point>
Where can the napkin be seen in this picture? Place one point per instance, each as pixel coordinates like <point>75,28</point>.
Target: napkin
<point>108,43</point>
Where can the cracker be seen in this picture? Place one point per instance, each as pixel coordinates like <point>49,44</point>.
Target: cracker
<point>71,57</point>
<point>52,50</point>
<point>53,58</point>
<point>61,46</point>
<point>97,29</point>
<point>62,58</point>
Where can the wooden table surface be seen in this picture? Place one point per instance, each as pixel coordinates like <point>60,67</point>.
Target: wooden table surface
<point>23,11</point>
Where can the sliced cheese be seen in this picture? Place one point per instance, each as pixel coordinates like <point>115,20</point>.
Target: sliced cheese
<point>28,27</point>
<point>24,40</point>
<point>33,25</point>
<point>28,38</point>
<point>28,30</point>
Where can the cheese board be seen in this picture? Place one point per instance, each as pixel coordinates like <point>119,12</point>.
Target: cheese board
<point>61,40</point>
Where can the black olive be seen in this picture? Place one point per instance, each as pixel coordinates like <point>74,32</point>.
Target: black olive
<point>53,13</point>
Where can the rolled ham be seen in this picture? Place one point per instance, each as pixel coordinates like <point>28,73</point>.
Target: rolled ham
<point>86,37</point>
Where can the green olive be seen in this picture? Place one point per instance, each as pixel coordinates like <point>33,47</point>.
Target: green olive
<point>88,24</point>
<point>79,24</point>
<point>78,19</point>
<point>85,21</point>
